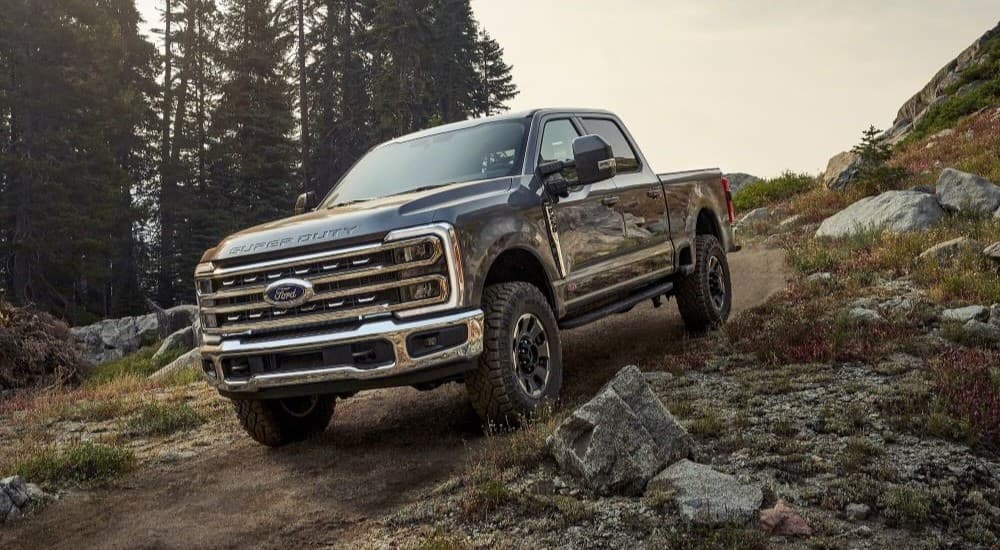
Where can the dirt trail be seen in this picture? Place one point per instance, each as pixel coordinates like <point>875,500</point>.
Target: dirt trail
<point>383,447</point>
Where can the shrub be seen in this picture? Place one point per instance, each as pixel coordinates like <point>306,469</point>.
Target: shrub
<point>84,463</point>
<point>36,350</point>
<point>768,191</point>
<point>968,380</point>
<point>163,419</point>
<point>906,505</point>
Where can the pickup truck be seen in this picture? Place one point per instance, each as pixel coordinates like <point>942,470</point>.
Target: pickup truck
<point>458,254</point>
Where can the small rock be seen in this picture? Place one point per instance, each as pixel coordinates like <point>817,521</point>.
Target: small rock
<point>756,215</point>
<point>16,489</point>
<point>993,251</point>
<point>190,360</point>
<point>950,249</point>
<point>36,493</point>
<point>961,191</point>
<point>865,315</point>
<point>788,222</point>
<point>783,521</point>
<point>823,276</point>
<point>620,439</point>
<point>965,314</point>
<point>983,333</point>
<point>995,315</point>
<point>705,496</point>
<point>857,511</point>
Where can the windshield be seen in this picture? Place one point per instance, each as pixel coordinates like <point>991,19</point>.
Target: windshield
<point>489,150</point>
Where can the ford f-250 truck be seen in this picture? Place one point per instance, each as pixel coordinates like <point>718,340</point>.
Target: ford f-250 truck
<point>457,254</point>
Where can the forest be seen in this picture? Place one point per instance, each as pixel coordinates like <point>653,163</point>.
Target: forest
<point>125,153</point>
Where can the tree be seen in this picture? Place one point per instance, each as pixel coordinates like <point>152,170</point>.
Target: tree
<point>873,154</point>
<point>495,83</point>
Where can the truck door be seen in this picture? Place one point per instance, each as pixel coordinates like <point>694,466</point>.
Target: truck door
<point>641,201</point>
<point>586,224</point>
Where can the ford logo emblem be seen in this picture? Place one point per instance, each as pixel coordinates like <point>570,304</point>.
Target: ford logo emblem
<point>288,293</point>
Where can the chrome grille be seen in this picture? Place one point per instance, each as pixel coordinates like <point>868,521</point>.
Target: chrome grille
<point>348,284</point>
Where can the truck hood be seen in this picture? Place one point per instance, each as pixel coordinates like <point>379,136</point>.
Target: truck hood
<point>351,224</point>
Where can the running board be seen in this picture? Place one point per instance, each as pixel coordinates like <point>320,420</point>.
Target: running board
<point>617,307</point>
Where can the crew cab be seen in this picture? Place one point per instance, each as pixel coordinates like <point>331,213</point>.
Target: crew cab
<point>458,254</point>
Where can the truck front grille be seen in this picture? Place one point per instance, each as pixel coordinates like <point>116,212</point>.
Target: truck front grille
<point>346,285</point>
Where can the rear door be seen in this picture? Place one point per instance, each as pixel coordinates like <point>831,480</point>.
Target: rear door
<point>640,201</point>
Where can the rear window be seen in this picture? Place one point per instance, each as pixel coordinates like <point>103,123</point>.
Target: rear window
<point>624,154</point>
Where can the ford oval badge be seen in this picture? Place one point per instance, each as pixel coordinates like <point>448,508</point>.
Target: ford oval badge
<point>288,293</point>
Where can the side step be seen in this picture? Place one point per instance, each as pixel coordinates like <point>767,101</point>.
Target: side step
<point>617,307</point>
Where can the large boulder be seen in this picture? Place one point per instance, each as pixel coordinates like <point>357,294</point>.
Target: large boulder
<point>111,339</point>
<point>621,438</point>
<point>841,170</point>
<point>705,496</point>
<point>895,211</point>
<point>960,191</point>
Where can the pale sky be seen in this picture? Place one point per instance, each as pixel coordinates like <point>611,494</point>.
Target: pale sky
<point>754,86</point>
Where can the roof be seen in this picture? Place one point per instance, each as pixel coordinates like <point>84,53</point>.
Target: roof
<point>482,120</point>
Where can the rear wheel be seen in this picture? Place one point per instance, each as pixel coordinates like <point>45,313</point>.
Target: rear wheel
<point>705,296</point>
<point>277,422</point>
<point>521,365</point>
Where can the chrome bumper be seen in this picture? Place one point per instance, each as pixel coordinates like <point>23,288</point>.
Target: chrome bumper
<point>394,331</point>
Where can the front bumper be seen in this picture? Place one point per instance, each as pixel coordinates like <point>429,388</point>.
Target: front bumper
<point>396,333</point>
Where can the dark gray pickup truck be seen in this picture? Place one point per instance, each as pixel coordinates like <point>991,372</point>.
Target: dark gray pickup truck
<point>457,254</point>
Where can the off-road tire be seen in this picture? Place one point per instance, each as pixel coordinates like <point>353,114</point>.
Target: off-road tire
<point>269,423</point>
<point>494,386</point>
<point>694,291</point>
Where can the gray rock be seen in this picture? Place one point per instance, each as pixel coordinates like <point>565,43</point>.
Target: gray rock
<point>857,511</point>
<point>865,315</point>
<point>621,438</point>
<point>36,493</point>
<point>705,496</point>
<point>6,505</point>
<point>982,333</point>
<point>16,489</point>
<point>182,340</point>
<point>995,315</point>
<point>111,339</point>
<point>823,276</point>
<point>190,360</point>
<point>961,191</point>
<point>790,221</point>
<point>950,249</point>
<point>965,314</point>
<point>894,211</point>
<point>14,514</point>
<point>738,179</point>
<point>841,170</point>
<point>993,251</point>
<point>756,215</point>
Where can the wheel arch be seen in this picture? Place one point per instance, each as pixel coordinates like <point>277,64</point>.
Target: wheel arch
<point>519,263</point>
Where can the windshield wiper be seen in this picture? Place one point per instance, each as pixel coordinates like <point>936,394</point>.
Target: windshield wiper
<point>423,188</point>
<point>347,203</point>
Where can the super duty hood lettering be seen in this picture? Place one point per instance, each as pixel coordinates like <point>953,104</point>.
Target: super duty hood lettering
<point>242,249</point>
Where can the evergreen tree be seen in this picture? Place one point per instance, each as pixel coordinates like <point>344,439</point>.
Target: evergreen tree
<point>254,154</point>
<point>873,154</point>
<point>494,82</point>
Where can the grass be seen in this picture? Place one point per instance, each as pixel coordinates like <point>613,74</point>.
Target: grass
<point>968,381</point>
<point>691,537</point>
<point>80,464</point>
<point>859,454</point>
<point>906,505</point>
<point>138,364</point>
<point>708,425</point>
<point>156,419</point>
<point>769,191</point>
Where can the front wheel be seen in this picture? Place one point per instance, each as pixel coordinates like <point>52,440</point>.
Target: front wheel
<point>277,422</point>
<point>520,368</point>
<point>705,296</point>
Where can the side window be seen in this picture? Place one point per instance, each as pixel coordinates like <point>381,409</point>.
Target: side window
<point>557,141</point>
<point>607,129</point>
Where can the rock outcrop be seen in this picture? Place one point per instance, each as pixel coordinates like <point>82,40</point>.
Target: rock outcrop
<point>939,88</point>
<point>963,192</point>
<point>111,339</point>
<point>705,496</point>
<point>895,211</point>
<point>621,438</point>
<point>738,179</point>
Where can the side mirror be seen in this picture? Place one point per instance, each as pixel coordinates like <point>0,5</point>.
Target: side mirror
<point>305,203</point>
<point>594,159</point>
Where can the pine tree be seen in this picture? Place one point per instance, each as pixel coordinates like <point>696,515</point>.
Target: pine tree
<point>254,154</point>
<point>873,154</point>
<point>495,84</point>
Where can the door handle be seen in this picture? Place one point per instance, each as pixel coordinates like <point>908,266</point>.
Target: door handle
<point>610,201</point>
<point>653,193</point>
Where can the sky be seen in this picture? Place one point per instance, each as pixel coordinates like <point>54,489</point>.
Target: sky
<point>757,86</point>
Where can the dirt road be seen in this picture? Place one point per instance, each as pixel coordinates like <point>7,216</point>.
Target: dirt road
<point>382,448</point>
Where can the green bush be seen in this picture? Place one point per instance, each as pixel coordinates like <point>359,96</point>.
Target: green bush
<point>768,191</point>
<point>83,463</point>
<point>163,419</point>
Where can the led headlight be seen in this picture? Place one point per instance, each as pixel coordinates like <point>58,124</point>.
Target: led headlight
<point>413,253</point>
<point>420,291</point>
